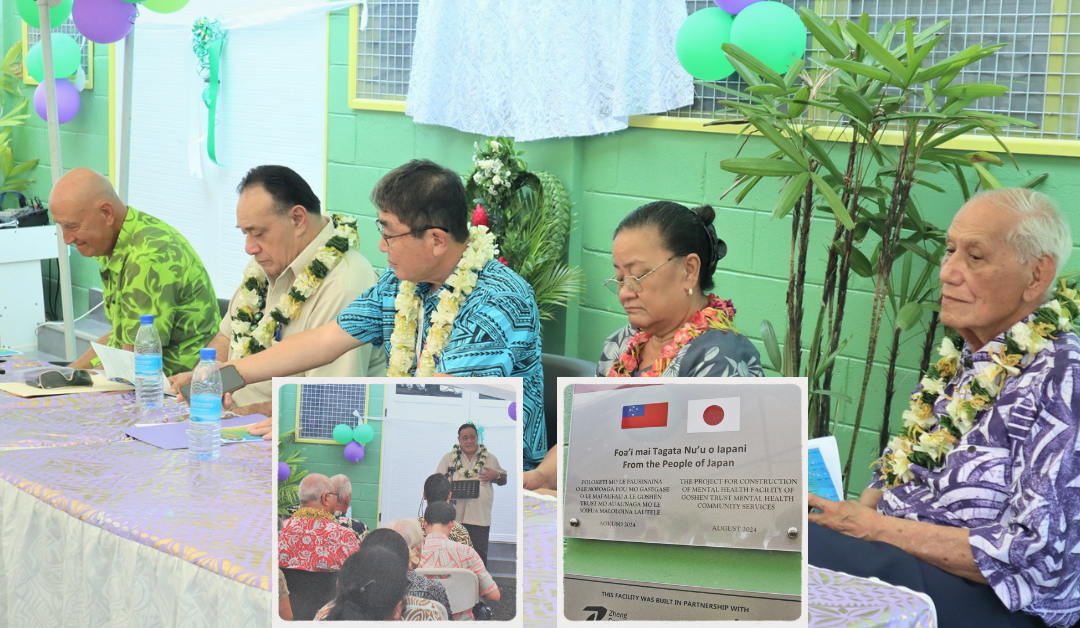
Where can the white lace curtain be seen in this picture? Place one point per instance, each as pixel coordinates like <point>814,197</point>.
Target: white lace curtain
<point>545,68</point>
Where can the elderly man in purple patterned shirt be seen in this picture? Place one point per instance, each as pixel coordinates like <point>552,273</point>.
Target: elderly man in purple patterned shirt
<point>977,502</point>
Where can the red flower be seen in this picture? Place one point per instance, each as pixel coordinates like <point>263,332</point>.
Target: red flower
<point>480,218</point>
<point>502,259</point>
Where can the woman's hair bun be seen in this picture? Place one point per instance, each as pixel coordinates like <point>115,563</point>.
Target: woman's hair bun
<point>706,214</point>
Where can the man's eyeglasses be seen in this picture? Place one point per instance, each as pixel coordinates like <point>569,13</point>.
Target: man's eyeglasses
<point>387,238</point>
<point>50,380</point>
<point>633,284</point>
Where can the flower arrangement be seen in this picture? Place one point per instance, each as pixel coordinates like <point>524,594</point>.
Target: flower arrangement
<point>924,439</point>
<point>529,214</point>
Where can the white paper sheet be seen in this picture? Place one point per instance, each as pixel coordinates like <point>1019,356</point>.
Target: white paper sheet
<point>120,364</point>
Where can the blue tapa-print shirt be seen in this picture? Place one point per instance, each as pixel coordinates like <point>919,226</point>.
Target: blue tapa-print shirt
<point>1014,481</point>
<point>496,334</point>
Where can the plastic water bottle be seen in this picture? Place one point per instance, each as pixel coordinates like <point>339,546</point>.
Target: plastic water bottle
<point>149,391</point>
<point>204,429</point>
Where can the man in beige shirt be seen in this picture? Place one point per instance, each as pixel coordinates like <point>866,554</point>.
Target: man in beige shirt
<point>471,461</point>
<point>285,232</point>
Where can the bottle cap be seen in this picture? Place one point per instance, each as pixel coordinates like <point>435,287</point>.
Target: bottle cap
<point>146,319</point>
<point>207,354</point>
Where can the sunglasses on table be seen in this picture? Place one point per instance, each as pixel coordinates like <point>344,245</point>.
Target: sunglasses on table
<point>50,380</point>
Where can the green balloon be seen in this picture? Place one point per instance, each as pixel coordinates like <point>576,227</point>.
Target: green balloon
<point>67,56</point>
<point>698,44</point>
<point>772,32</point>
<point>28,11</point>
<point>343,434</point>
<point>363,433</point>
<point>165,6</point>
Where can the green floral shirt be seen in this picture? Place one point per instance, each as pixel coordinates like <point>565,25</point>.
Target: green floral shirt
<point>154,270</point>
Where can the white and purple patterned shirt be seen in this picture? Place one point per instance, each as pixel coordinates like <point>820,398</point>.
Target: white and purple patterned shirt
<point>1014,481</point>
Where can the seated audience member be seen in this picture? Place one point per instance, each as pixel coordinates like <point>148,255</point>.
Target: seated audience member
<point>343,489</point>
<point>147,267</point>
<point>443,283</point>
<point>419,586</point>
<point>284,606</point>
<point>372,585</point>
<point>977,501</point>
<point>665,256</point>
<point>437,489</point>
<point>544,479</point>
<point>311,540</point>
<point>440,551</point>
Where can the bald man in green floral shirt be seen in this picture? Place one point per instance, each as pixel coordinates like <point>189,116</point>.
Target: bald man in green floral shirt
<point>147,267</point>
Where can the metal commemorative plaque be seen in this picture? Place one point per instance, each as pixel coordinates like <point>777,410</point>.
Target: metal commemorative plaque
<point>717,464</point>
<point>605,599</point>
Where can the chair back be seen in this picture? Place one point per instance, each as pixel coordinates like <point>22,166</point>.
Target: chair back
<point>223,307</point>
<point>309,591</point>
<point>462,586</point>
<point>556,366</point>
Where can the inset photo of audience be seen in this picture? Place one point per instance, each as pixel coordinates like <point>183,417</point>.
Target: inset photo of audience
<point>398,501</point>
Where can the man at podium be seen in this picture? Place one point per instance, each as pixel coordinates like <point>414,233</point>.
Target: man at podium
<point>473,471</point>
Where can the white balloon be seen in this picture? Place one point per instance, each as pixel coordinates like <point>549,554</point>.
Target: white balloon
<point>80,79</point>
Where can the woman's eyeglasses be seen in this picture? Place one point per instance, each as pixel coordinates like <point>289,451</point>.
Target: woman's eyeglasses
<point>631,283</point>
<point>50,380</point>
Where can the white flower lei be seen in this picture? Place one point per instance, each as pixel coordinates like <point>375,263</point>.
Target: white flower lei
<point>481,458</point>
<point>479,250</point>
<point>252,332</point>
<point>924,439</point>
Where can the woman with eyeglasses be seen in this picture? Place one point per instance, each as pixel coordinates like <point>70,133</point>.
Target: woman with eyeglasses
<point>665,255</point>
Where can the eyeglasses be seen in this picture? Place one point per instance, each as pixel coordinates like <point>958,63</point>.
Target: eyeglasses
<point>633,284</point>
<point>387,238</point>
<point>50,380</point>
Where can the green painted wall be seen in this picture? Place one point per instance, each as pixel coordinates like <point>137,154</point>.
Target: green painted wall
<point>328,459</point>
<point>607,176</point>
<point>84,142</point>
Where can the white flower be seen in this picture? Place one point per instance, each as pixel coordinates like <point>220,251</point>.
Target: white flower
<point>1064,322</point>
<point>239,327</point>
<point>476,177</point>
<point>248,299</point>
<point>935,444</point>
<point>494,145</point>
<point>913,417</point>
<point>496,180</point>
<point>949,350</point>
<point>990,379</point>
<point>1021,335</point>
<point>933,386</point>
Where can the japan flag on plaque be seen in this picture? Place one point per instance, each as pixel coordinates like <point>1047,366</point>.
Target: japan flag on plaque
<point>713,415</point>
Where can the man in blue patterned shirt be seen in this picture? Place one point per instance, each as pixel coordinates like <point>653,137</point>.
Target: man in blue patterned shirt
<point>423,215</point>
<point>992,535</point>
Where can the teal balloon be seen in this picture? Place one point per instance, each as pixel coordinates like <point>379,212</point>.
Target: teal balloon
<point>363,433</point>
<point>771,32</point>
<point>28,11</point>
<point>699,42</point>
<point>343,434</point>
<point>67,56</point>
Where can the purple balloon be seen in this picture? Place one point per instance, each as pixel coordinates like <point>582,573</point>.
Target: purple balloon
<point>354,451</point>
<point>104,21</point>
<point>283,471</point>
<point>67,101</point>
<point>731,7</point>
<point>512,410</point>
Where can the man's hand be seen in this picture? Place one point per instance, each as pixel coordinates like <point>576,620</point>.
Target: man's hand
<point>847,517</point>
<point>544,479</point>
<point>264,428</point>
<point>488,475</point>
<point>178,381</point>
